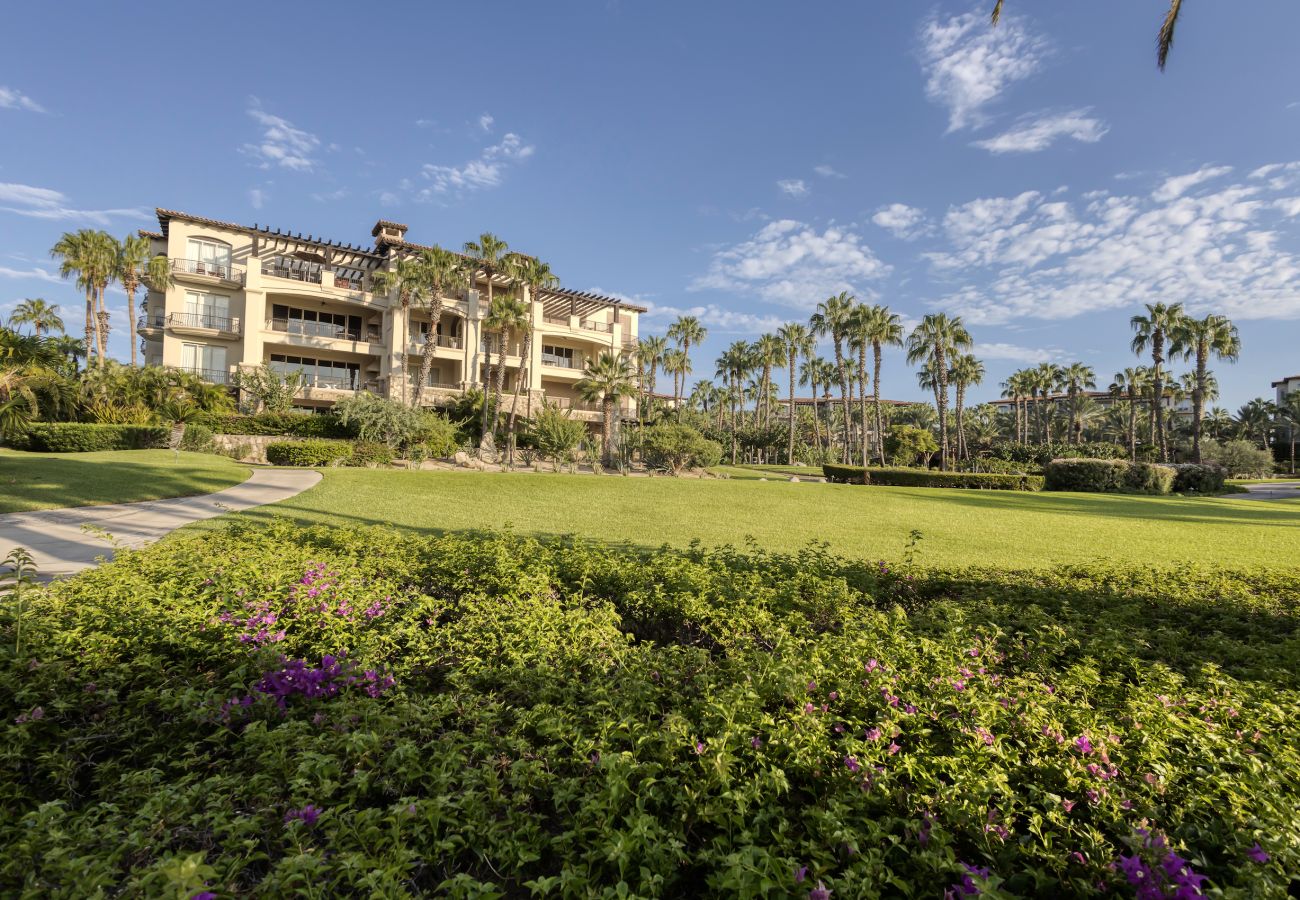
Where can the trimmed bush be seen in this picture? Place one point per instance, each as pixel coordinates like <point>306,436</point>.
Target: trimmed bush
<point>308,453</point>
<point>1239,458</point>
<point>1097,476</point>
<point>369,453</point>
<point>673,447</point>
<point>1148,478</point>
<point>198,438</point>
<point>1042,454</point>
<point>293,424</point>
<point>929,478</point>
<point>85,437</point>
<point>1191,478</point>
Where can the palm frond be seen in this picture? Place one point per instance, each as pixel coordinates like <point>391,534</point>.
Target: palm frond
<point>997,12</point>
<point>1166,39</point>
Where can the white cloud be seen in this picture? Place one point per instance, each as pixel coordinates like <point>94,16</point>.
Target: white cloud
<point>901,220</point>
<point>1175,187</point>
<point>1013,352</point>
<point>256,197</point>
<point>487,171</point>
<point>35,273</point>
<point>1038,132</point>
<point>790,263</point>
<point>793,187</point>
<point>282,145</point>
<point>1280,176</point>
<point>1040,257</point>
<point>828,172</point>
<point>718,319</point>
<point>967,63</point>
<point>485,122</point>
<point>10,98</point>
<point>44,203</point>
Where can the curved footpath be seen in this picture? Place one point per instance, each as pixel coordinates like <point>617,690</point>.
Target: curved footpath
<point>60,547</point>
<point>1271,490</point>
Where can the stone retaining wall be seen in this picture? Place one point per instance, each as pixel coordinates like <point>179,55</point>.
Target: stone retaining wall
<point>255,444</point>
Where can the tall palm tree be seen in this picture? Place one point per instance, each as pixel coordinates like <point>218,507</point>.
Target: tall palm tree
<point>651,351</point>
<point>831,318</point>
<point>676,363</point>
<point>967,372</point>
<point>409,280</point>
<point>687,330</point>
<point>488,255</point>
<point>1016,388</point>
<point>605,380</point>
<point>441,272</point>
<point>937,338</point>
<point>1219,422</point>
<point>106,252</point>
<point>1202,339</point>
<point>1164,38</point>
<point>76,255</point>
<point>810,374</point>
<point>883,329</point>
<point>769,353</point>
<point>130,268</point>
<point>1130,383</point>
<point>1160,324</point>
<point>735,363</point>
<point>43,317</point>
<point>1255,418</point>
<point>1077,378</point>
<point>1046,379</point>
<point>797,341</point>
<point>536,276</point>
<point>506,314</point>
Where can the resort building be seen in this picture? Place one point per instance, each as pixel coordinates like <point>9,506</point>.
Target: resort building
<point>1285,387</point>
<point>244,297</point>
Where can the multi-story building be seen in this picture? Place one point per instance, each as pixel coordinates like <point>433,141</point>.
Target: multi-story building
<point>247,296</point>
<point>1286,386</point>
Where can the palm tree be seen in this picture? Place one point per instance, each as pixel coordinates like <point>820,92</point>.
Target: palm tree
<point>606,379</point>
<point>937,339</point>
<point>488,255</point>
<point>676,363</point>
<point>442,272</point>
<point>75,253</point>
<point>685,331</point>
<point>106,251</point>
<point>536,276</point>
<point>1218,422</point>
<point>42,316</point>
<point>832,318</point>
<point>1289,413</point>
<point>650,351</point>
<point>769,353</point>
<point>1255,417</point>
<point>130,269</point>
<point>733,365</point>
<point>30,384</point>
<point>1017,388</point>
<point>797,341</point>
<point>1077,378</point>
<point>966,371</point>
<point>1130,383</point>
<point>810,374</point>
<point>1201,339</point>
<point>409,280</point>
<point>1045,379</point>
<point>1164,39</point>
<point>1161,323</point>
<point>883,329</point>
<point>506,314</point>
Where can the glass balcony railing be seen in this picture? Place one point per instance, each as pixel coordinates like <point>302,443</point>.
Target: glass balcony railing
<point>280,268</point>
<point>561,362</point>
<point>308,328</point>
<point>211,268</point>
<point>212,376</point>
<point>203,320</point>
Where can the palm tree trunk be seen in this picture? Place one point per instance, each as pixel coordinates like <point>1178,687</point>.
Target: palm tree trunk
<point>1198,399</point>
<point>130,318</point>
<point>101,314</point>
<point>941,375</point>
<point>1132,423</point>
<point>817,418</point>
<point>862,401</point>
<point>875,400</point>
<point>426,366</point>
<point>792,358</point>
<point>1158,398</point>
<point>607,414</point>
<point>961,425</point>
<point>844,396</point>
<point>486,441</point>
<point>89,336</point>
<point>526,355</point>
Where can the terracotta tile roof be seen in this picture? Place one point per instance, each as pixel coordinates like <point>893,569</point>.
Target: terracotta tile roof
<point>150,234</point>
<point>1285,380</point>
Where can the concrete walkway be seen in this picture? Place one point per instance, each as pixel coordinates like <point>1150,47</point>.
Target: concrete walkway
<point>60,547</point>
<point>1273,490</point>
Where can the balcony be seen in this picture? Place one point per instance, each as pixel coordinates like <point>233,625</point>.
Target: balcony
<point>282,268</point>
<point>149,322</point>
<point>212,376</point>
<point>206,268</point>
<point>561,362</point>
<point>307,328</point>
<point>451,342</point>
<point>603,327</point>
<point>556,320</point>
<point>202,321</point>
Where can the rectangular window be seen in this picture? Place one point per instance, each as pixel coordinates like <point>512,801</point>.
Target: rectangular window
<point>203,310</point>
<point>209,362</point>
<point>561,357</point>
<point>209,257</point>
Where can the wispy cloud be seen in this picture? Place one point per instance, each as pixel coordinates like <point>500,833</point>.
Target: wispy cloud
<point>967,63</point>
<point>828,172</point>
<point>10,98</point>
<point>1039,131</point>
<point>1175,187</point>
<point>486,171</point>
<point>36,273</point>
<point>256,197</point>
<point>1013,352</point>
<point>717,318</point>
<point>485,122</point>
<point>901,220</point>
<point>791,263</point>
<point>44,203</point>
<point>793,187</point>
<point>282,145</point>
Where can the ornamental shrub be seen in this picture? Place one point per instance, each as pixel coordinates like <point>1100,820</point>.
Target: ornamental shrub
<point>1042,454</point>
<point>369,453</point>
<point>296,424</point>
<point>673,447</point>
<point>1239,458</point>
<point>308,453</point>
<point>378,713</point>
<point>375,418</point>
<point>197,438</point>
<point>82,437</point>
<point>987,481</point>
<point>1148,478</point>
<point>906,445</point>
<point>1089,475</point>
<point>1190,478</point>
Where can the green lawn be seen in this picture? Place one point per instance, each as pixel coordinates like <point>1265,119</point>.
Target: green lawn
<point>959,526</point>
<point>46,480</point>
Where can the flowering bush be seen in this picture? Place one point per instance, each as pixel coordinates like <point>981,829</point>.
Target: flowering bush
<point>269,711</point>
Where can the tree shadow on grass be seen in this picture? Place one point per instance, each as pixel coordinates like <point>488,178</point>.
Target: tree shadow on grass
<point>47,482</point>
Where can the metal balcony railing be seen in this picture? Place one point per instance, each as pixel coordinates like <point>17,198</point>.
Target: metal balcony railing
<point>282,269</point>
<point>214,376</point>
<point>224,271</point>
<point>597,326</point>
<point>443,340</point>
<point>150,321</point>
<point>555,320</point>
<point>203,320</point>
<point>307,328</point>
<point>560,362</point>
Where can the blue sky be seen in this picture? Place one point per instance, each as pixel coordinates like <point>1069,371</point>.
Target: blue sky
<point>741,161</point>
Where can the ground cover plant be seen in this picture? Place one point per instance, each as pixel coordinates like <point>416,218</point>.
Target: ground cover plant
<point>345,712</point>
<point>962,527</point>
<point>48,480</point>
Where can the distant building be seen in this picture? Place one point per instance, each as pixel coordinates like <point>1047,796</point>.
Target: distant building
<point>1288,385</point>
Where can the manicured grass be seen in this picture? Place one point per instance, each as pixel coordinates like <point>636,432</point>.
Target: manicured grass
<point>959,526</point>
<point>48,480</point>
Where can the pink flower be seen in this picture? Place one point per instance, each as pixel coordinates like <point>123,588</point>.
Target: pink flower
<point>873,734</point>
<point>808,708</point>
<point>894,748</point>
<point>872,665</point>
<point>1068,804</point>
<point>833,695</point>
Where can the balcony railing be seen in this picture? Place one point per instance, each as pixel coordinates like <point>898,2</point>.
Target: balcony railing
<point>556,320</point>
<point>560,362</point>
<point>214,376</point>
<point>150,321</point>
<point>597,326</point>
<point>203,320</point>
<point>349,284</point>
<point>331,382</point>
<point>282,269</point>
<point>224,271</point>
<point>307,328</point>
<point>443,340</point>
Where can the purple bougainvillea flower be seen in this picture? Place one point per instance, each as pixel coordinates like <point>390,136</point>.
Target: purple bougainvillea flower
<point>699,747</point>
<point>812,686</point>
<point>1258,854</point>
<point>873,734</point>
<point>872,665</point>
<point>756,742</point>
<point>894,748</point>
<point>800,874</point>
<point>1083,744</point>
<point>203,895</point>
<point>821,892</point>
<point>307,815</point>
<point>809,708</point>
<point>851,764</point>
<point>1079,858</point>
<point>1068,804</point>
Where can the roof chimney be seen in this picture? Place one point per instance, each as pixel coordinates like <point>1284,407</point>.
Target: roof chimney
<point>388,232</point>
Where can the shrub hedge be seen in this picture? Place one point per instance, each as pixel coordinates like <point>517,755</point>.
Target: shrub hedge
<point>84,437</point>
<point>515,718</point>
<point>1108,476</point>
<point>290,424</point>
<point>369,453</point>
<point>1191,478</point>
<point>308,453</point>
<point>931,478</point>
<point>1042,454</point>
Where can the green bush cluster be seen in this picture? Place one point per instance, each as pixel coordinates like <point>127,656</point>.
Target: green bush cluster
<point>369,453</point>
<point>673,447</point>
<point>571,720</point>
<point>308,453</point>
<point>1042,454</point>
<point>288,424</point>
<point>197,439</point>
<point>987,481</point>
<point>84,437</point>
<point>1108,476</point>
<point>1193,478</point>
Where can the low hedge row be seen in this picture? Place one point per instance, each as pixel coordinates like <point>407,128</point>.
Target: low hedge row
<point>1108,476</point>
<point>928,478</point>
<point>84,437</point>
<point>308,453</point>
<point>1193,478</point>
<point>271,424</point>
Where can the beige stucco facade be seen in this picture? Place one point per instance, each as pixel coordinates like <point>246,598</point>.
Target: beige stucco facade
<point>247,296</point>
